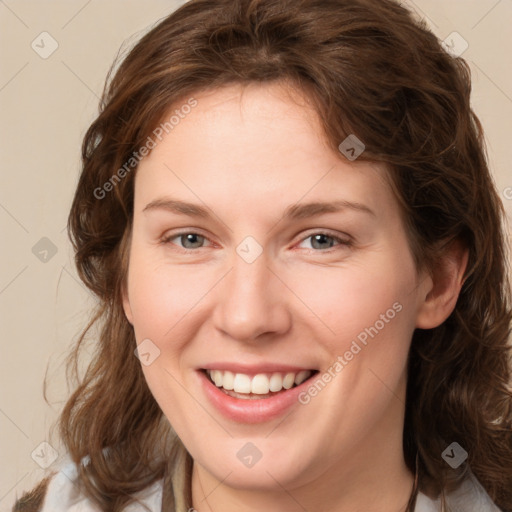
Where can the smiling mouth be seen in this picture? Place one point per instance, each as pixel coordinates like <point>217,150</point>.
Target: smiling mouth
<point>261,385</point>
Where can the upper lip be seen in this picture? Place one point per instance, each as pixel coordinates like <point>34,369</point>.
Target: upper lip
<point>254,369</point>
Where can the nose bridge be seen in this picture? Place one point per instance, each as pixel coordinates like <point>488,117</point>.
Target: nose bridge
<point>252,300</point>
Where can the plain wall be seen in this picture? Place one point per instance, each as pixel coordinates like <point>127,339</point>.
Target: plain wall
<point>46,105</point>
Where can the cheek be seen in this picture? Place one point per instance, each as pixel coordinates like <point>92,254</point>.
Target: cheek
<point>346,302</point>
<point>162,299</point>
<point>162,295</point>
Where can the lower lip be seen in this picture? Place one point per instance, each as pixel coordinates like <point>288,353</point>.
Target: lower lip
<point>251,410</point>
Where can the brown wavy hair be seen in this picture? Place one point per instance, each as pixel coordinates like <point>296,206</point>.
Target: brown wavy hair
<point>371,69</point>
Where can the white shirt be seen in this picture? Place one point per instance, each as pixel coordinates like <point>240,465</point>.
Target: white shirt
<point>62,496</point>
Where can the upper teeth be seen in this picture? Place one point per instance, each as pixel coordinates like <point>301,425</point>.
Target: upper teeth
<point>260,384</point>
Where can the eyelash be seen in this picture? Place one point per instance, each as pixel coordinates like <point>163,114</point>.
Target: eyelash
<point>341,241</point>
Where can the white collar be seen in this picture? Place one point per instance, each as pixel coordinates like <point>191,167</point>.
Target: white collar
<point>62,496</point>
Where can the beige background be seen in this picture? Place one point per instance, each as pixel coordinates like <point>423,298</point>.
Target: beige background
<point>46,105</point>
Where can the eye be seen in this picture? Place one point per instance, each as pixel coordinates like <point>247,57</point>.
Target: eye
<point>323,241</point>
<point>187,240</point>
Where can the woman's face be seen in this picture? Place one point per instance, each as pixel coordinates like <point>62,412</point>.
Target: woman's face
<point>262,256</point>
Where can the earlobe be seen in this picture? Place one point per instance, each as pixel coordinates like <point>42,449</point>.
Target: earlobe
<point>446,283</point>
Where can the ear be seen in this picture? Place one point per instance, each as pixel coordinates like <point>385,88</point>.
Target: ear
<point>443,286</point>
<point>126,305</point>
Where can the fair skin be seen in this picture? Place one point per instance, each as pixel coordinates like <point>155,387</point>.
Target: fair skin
<point>301,302</point>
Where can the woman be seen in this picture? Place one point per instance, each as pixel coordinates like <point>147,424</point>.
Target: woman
<point>286,213</point>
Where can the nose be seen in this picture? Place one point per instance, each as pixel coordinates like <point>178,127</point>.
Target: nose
<point>252,302</point>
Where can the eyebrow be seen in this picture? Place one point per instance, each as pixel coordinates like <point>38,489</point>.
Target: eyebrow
<point>292,212</point>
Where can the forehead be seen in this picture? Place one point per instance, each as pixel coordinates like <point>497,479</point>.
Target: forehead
<point>267,100</point>
<point>246,144</point>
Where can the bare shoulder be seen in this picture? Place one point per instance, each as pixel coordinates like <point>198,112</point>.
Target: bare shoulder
<point>32,501</point>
